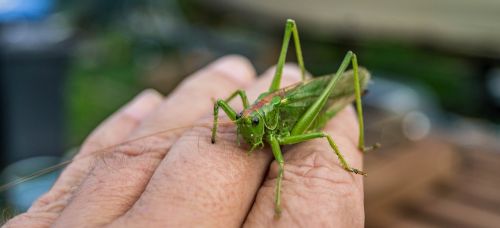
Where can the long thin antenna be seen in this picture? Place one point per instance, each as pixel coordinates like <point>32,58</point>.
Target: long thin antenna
<point>93,153</point>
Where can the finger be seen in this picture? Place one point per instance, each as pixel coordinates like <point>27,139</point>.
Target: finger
<point>194,97</point>
<point>315,186</point>
<point>204,184</point>
<point>119,178</point>
<point>119,127</point>
<point>113,130</point>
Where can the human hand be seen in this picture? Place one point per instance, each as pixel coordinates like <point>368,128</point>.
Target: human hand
<point>182,180</point>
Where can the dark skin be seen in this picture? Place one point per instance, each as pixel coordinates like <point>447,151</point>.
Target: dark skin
<point>194,182</point>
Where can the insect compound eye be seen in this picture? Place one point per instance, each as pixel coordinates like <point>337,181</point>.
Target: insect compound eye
<point>238,116</point>
<point>255,120</point>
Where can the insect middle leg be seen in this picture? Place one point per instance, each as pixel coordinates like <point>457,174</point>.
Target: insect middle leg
<point>275,147</point>
<point>290,29</point>
<point>227,109</point>
<point>278,156</point>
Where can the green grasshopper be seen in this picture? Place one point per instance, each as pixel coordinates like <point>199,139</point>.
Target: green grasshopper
<point>297,113</point>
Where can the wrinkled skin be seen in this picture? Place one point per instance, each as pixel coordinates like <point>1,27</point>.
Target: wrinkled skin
<point>196,183</point>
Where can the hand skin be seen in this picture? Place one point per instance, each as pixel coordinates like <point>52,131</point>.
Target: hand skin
<point>186,181</point>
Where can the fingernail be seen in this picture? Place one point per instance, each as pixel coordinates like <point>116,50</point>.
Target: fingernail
<point>143,104</point>
<point>236,68</point>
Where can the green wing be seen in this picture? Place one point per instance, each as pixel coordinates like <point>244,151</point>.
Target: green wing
<point>299,97</point>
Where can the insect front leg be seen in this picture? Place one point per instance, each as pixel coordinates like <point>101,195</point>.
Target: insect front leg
<point>227,109</point>
<point>290,29</point>
<point>308,136</point>
<point>275,147</point>
<point>243,96</point>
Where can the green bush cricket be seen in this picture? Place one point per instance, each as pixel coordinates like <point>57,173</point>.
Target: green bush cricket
<point>297,113</point>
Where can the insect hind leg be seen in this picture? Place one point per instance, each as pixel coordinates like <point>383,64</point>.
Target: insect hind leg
<point>227,109</point>
<point>290,30</point>
<point>359,108</point>
<point>275,147</point>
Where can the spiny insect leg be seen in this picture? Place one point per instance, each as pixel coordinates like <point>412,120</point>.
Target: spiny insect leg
<point>312,112</point>
<point>308,136</point>
<point>243,96</point>
<point>359,108</point>
<point>227,109</point>
<point>275,147</point>
<point>290,29</point>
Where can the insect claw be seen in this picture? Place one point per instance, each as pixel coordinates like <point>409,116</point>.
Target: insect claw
<point>251,150</point>
<point>277,212</point>
<point>370,148</point>
<point>357,171</point>
<point>213,141</point>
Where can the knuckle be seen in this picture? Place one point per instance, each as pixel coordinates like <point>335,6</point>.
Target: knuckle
<point>235,68</point>
<point>151,148</point>
<point>91,144</point>
<point>130,160</point>
<point>53,201</point>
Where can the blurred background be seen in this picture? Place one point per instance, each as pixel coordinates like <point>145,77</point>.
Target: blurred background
<point>434,103</point>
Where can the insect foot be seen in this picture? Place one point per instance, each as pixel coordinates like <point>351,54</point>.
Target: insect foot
<point>371,148</point>
<point>357,171</point>
<point>277,212</point>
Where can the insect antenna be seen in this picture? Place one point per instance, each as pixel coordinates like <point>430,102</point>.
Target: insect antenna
<point>49,169</point>
<point>34,175</point>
